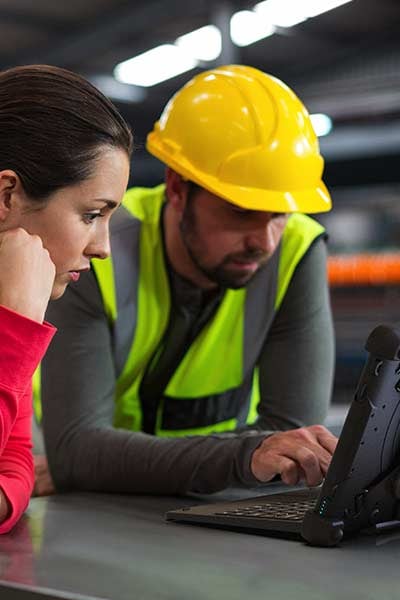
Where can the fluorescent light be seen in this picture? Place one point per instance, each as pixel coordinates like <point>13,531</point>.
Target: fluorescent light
<point>281,13</point>
<point>169,60</point>
<point>204,44</point>
<point>317,7</point>
<point>321,123</point>
<point>287,13</point>
<point>201,44</point>
<point>247,28</point>
<point>154,66</point>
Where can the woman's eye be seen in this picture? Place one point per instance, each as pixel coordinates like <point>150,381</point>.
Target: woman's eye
<point>90,217</point>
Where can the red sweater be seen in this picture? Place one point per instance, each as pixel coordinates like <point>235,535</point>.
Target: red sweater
<point>23,343</point>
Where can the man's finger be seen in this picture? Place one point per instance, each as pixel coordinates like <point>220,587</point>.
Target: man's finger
<point>288,470</point>
<point>310,462</point>
<point>327,440</point>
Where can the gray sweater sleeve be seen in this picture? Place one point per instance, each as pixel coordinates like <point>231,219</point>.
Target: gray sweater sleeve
<point>86,452</point>
<point>297,360</point>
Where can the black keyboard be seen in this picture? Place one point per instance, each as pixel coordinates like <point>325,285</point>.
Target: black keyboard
<point>293,511</point>
<point>282,512</point>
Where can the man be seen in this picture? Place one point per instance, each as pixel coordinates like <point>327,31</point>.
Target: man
<point>196,358</point>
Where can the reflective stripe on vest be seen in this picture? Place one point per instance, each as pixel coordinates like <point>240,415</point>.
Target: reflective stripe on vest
<point>220,343</point>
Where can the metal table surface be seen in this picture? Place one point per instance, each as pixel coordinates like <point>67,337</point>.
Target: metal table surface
<point>86,545</point>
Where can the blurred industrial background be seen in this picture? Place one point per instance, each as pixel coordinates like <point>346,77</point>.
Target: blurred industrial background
<point>341,57</point>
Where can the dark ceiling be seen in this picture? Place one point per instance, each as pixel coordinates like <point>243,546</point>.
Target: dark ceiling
<point>345,62</point>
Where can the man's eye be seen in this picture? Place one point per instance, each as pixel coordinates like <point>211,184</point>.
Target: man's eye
<point>242,211</point>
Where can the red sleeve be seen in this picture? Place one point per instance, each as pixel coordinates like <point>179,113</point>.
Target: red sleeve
<point>23,343</point>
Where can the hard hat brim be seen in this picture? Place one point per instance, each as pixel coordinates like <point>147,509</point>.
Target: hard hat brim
<point>310,200</point>
<point>314,200</point>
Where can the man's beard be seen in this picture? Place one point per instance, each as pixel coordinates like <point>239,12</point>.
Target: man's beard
<point>220,274</point>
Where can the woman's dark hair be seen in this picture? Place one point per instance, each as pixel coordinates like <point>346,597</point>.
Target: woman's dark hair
<point>53,126</point>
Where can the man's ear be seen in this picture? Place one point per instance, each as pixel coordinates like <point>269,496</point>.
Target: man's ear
<point>9,191</point>
<point>176,190</point>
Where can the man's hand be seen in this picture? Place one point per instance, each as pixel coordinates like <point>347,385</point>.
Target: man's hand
<point>26,273</point>
<point>44,485</point>
<point>294,455</point>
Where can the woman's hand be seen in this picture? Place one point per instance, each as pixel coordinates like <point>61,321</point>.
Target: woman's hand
<point>26,273</point>
<point>44,485</point>
<point>4,507</point>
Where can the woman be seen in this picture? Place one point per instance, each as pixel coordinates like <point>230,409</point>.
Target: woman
<point>64,166</point>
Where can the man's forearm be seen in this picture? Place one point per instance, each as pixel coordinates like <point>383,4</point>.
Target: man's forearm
<point>125,462</point>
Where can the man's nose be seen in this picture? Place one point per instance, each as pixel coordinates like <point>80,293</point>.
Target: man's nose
<point>261,237</point>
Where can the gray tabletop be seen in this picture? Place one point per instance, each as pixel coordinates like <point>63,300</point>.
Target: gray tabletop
<point>120,548</point>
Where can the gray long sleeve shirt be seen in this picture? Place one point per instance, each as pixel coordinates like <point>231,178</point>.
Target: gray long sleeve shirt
<point>86,452</point>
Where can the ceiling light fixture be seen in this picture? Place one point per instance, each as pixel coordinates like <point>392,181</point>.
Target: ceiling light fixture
<point>154,66</point>
<point>203,44</point>
<point>168,60</point>
<point>281,13</point>
<point>317,7</point>
<point>321,123</point>
<point>249,26</point>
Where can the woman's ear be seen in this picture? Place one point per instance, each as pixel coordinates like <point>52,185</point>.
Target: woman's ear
<point>10,186</point>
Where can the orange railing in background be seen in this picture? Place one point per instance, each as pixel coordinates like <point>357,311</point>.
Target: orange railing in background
<point>364,269</point>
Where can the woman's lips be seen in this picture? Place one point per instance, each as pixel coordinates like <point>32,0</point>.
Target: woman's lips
<point>74,275</point>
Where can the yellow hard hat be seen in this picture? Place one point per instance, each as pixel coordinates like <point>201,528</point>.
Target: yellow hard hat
<point>246,137</point>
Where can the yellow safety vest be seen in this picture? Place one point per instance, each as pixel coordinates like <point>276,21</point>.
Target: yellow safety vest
<point>214,364</point>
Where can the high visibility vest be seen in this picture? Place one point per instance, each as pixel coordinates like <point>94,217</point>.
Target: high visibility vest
<point>215,386</point>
